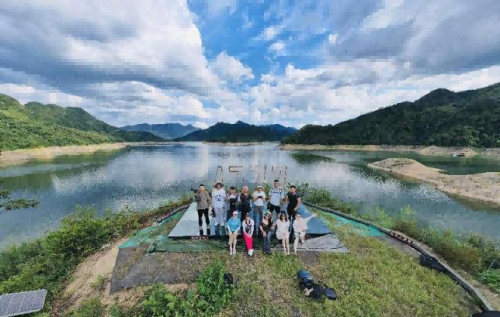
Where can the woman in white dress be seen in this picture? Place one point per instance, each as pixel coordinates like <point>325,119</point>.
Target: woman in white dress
<point>283,232</point>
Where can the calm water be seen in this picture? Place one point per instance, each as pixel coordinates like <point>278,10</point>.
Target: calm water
<point>143,177</point>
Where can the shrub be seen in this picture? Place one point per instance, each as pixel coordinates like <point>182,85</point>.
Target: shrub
<point>491,278</point>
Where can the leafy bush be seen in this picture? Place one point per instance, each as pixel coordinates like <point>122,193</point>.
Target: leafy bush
<point>472,253</point>
<point>210,297</point>
<point>19,204</point>
<point>48,262</point>
<point>492,278</point>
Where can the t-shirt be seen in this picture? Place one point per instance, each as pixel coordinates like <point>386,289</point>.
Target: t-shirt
<point>248,226</point>
<point>259,202</point>
<point>233,224</point>
<point>267,227</point>
<point>244,200</point>
<point>232,202</point>
<point>292,200</point>
<point>218,196</point>
<point>275,195</point>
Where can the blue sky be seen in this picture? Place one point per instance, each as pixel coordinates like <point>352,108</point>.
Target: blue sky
<point>280,61</point>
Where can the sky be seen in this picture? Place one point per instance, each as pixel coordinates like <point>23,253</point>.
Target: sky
<point>262,62</point>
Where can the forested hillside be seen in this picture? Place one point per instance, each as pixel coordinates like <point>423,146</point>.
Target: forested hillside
<point>238,132</point>
<point>36,125</point>
<point>167,131</point>
<point>442,117</point>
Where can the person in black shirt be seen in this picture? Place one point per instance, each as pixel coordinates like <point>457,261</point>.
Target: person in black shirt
<point>232,199</point>
<point>244,200</point>
<point>293,199</point>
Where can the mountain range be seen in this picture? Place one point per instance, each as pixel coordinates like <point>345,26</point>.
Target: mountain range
<point>36,125</point>
<point>442,117</point>
<point>168,131</point>
<point>239,132</point>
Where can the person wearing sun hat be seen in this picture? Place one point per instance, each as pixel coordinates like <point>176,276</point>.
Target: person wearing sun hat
<point>218,202</point>
<point>259,196</point>
<point>233,226</point>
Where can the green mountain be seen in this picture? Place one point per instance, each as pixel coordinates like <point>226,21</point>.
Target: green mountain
<point>36,125</point>
<point>167,131</point>
<point>238,132</point>
<point>442,117</point>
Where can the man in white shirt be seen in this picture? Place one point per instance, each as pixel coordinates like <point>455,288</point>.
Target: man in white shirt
<point>258,200</point>
<point>276,195</point>
<point>218,201</point>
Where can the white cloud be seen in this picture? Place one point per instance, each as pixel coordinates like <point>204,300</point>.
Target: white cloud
<point>230,68</point>
<point>247,24</point>
<point>277,46</point>
<point>269,33</point>
<point>332,38</point>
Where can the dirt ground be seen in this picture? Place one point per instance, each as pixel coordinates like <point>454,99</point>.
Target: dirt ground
<point>493,153</point>
<point>85,285</point>
<point>484,187</point>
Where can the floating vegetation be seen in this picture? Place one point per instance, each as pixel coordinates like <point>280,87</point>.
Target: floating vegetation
<point>19,204</point>
<point>4,193</point>
<point>308,158</point>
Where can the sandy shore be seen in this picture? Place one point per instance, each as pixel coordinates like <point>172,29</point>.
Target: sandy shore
<point>484,187</point>
<point>493,153</point>
<point>47,153</point>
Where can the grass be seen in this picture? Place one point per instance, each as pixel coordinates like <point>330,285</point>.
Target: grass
<point>100,283</point>
<point>472,253</point>
<point>373,279</point>
<point>50,261</point>
<point>89,308</point>
<point>19,204</point>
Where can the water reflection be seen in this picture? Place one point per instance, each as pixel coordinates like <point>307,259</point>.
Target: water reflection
<point>144,177</point>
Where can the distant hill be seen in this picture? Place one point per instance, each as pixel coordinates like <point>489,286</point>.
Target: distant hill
<point>37,125</point>
<point>442,117</point>
<point>167,131</point>
<point>238,132</point>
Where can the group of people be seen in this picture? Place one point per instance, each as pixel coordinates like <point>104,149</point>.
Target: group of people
<point>234,210</point>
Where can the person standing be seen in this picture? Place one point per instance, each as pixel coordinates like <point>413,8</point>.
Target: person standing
<point>232,200</point>
<point>266,228</point>
<point>203,203</point>
<point>248,225</point>
<point>300,228</point>
<point>258,199</point>
<point>218,200</point>
<point>276,195</point>
<point>233,227</point>
<point>283,232</point>
<point>244,201</point>
<point>294,200</point>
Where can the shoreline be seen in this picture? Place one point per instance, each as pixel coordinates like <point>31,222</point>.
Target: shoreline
<point>491,153</point>
<point>483,187</point>
<point>46,153</point>
<point>237,143</point>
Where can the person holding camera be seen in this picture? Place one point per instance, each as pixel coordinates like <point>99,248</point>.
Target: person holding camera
<point>258,199</point>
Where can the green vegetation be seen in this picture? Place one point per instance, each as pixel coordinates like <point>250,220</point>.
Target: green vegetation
<point>472,253</point>
<point>19,204</point>
<point>99,283</point>
<point>373,279</point>
<point>238,132</point>
<point>4,193</point>
<point>167,131</point>
<point>442,117</point>
<point>309,158</point>
<point>91,307</point>
<point>48,262</point>
<point>209,298</point>
<point>35,125</point>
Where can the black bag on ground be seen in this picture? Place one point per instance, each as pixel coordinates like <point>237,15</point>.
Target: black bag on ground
<point>431,263</point>
<point>228,279</point>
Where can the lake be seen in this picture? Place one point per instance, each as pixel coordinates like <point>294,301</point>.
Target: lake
<point>143,177</point>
